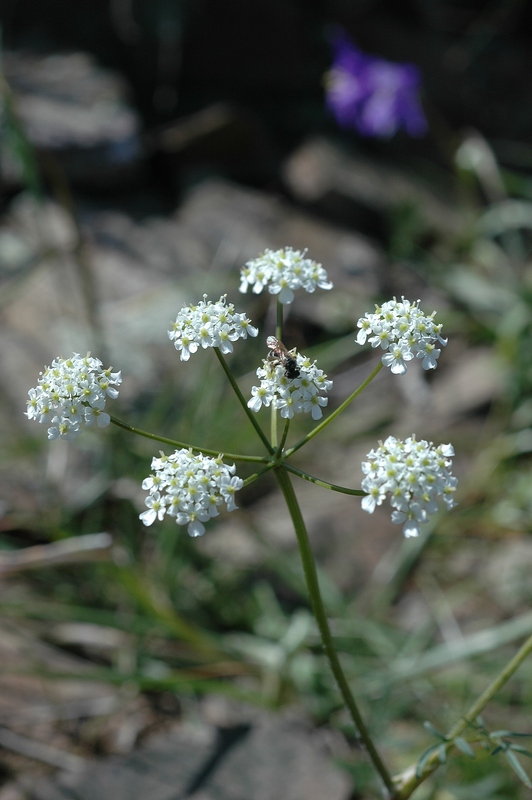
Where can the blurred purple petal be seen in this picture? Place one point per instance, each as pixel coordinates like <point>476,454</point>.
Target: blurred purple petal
<point>372,95</point>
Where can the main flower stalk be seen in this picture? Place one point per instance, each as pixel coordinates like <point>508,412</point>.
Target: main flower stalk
<point>311,577</point>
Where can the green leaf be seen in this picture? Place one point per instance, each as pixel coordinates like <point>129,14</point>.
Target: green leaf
<point>517,768</point>
<point>464,747</point>
<point>442,754</point>
<point>424,757</point>
<point>435,732</point>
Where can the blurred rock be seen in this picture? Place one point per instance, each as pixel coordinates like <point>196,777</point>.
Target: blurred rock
<point>273,758</point>
<point>77,112</point>
<point>470,383</point>
<point>12,791</point>
<point>355,187</point>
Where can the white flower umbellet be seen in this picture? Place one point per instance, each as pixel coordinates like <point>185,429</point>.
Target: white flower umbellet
<point>401,329</point>
<point>70,392</point>
<point>414,474</point>
<point>209,324</point>
<point>291,396</point>
<point>189,487</point>
<point>283,271</point>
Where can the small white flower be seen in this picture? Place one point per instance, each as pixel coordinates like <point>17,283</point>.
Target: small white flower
<point>289,406</point>
<point>283,271</point>
<point>400,328</point>
<point>156,509</point>
<point>63,428</point>
<point>228,489</point>
<point>396,358</point>
<point>226,337</point>
<point>72,391</point>
<point>365,328</point>
<point>261,396</point>
<point>291,396</point>
<point>314,404</point>
<point>189,487</point>
<point>414,474</point>
<point>430,354</point>
<point>209,324</point>
<point>102,419</point>
<point>374,498</point>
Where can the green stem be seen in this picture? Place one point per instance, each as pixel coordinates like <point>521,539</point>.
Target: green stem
<point>282,443</point>
<point>278,335</point>
<point>311,576</point>
<point>242,401</point>
<point>335,413</point>
<point>407,782</point>
<point>279,324</point>
<point>273,426</point>
<point>252,478</point>
<point>165,440</point>
<point>333,486</point>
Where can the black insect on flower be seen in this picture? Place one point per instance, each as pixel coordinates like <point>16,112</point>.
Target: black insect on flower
<point>279,354</point>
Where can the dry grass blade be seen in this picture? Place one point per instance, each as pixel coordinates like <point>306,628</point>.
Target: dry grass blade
<point>91,547</point>
<point>40,752</point>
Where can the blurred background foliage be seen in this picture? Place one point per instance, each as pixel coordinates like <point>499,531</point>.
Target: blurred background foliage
<point>233,91</point>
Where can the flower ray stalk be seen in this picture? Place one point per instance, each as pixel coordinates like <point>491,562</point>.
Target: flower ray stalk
<point>242,401</point>
<point>174,443</point>
<point>279,325</point>
<point>326,485</point>
<point>252,478</point>
<point>282,443</point>
<point>273,426</point>
<point>335,413</point>
<point>311,577</point>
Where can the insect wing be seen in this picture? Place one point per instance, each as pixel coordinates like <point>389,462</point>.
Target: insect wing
<point>275,345</point>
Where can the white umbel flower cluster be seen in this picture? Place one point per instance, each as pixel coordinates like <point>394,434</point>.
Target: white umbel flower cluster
<point>70,392</point>
<point>283,271</point>
<point>291,396</point>
<point>189,487</point>
<point>414,474</point>
<point>401,328</point>
<point>209,325</point>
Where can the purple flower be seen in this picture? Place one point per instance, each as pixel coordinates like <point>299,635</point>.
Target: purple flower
<point>372,95</point>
